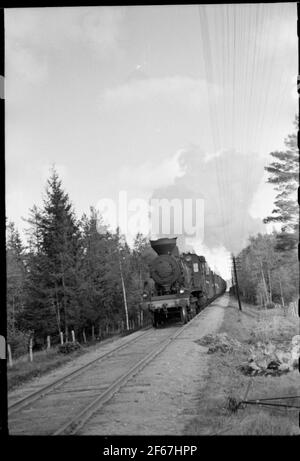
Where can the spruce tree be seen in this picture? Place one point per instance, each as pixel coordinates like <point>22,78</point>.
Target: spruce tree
<point>61,246</point>
<point>15,276</point>
<point>53,263</point>
<point>93,269</point>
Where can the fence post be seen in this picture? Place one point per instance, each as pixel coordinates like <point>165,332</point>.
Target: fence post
<point>9,355</point>
<point>93,333</point>
<point>48,342</point>
<point>84,337</point>
<point>30,350</point>
<point>73,336</point>
<point>142,318</point>
<point>61,337</point>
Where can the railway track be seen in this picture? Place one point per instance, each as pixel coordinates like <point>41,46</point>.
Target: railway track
<point>63,406</point>
<point>16,406</point>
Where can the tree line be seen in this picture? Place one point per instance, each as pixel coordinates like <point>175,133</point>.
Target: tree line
<point>268,266</point>
<point>69,275</point>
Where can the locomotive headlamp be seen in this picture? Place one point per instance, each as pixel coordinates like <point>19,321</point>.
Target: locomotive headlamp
<point>145,295</point>
<point>181,291</point>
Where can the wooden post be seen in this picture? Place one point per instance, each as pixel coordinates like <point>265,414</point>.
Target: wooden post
<point>10,362</point>
<point>264,282</point>
<point>270,284</point>
<point>48,342</point>
<point>282,298</point>
<point>261,300</point>
<point>30,350</point>
<point>93,333</point>
<point>73,336</point>
<point>124,292</point>
<point>61,337</point>
<point>84,337</point>
<point>142,318</point>
<point>236,283</point>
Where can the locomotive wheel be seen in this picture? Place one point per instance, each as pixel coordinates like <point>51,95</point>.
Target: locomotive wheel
<point>184,315</point>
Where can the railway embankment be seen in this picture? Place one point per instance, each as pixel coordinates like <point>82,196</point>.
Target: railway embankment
<point>51,367</point>
<point>49,363</point>
<point>225,372</point>
<point>163,397</point>
<point>252,379</point>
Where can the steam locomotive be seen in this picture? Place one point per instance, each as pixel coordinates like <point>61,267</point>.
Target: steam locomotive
<point>180,285</point>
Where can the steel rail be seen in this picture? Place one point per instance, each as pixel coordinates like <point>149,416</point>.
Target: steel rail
<point>27,400</point>
<point>253,402</point>
<point>78,421</point>
<point>276,398</point>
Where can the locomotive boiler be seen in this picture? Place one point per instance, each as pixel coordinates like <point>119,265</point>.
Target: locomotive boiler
<point>180,285</point>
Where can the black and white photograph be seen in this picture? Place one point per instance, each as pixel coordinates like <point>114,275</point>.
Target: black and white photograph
<point>151,223</point>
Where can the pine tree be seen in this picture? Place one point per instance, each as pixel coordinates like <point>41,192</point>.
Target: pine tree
<point>284,173</point>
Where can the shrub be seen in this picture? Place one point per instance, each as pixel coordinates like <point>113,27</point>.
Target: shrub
<point>68,348</point>
<point>270,305</point>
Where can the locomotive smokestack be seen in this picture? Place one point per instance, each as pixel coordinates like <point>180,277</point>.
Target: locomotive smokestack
<point>163,246</point>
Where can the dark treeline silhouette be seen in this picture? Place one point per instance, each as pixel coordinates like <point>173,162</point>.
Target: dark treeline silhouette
<point>69,276</point>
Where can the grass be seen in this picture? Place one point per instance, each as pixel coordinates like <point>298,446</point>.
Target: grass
<point>44,361</point>
<point>226,385</point>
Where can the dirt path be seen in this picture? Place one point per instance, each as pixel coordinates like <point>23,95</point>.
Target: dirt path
<point>163,397</point>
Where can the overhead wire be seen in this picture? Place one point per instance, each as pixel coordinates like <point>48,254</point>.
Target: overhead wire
<point>206,48</point>
<point>250,110</point>
<point>244,43</point>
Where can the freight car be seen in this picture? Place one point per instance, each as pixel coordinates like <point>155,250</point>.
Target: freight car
<point>180,285</point>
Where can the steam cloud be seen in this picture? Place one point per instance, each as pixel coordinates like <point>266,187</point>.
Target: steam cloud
<point>227,181</point>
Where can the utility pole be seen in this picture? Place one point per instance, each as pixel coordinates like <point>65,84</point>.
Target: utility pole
<point>124,291</point>
<point>236,283</point>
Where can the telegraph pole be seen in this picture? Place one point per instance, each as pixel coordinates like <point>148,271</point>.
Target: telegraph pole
<point>236,283</point>
<point>124,292</point>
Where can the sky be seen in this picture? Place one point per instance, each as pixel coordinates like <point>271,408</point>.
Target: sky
<point>150,100</point>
